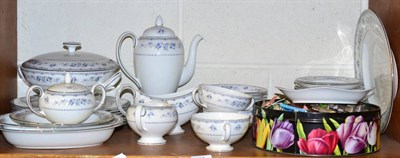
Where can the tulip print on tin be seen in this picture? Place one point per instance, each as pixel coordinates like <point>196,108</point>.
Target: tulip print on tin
<point>317,134</point>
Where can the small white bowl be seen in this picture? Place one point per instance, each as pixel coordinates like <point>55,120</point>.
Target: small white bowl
<point>220,129</point>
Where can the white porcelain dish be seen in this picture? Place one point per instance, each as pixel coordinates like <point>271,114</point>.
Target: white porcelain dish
<point>52,138</point>
<point>86,68</point>
<point>324,95</point>
<point>328,80</point>
<point>299,85</point>
<point>258,93</point>
<point>27,118</point>
<point>374,63</point>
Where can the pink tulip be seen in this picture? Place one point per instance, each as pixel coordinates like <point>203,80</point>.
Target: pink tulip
<point>319,142</point>
<point>352,134</point>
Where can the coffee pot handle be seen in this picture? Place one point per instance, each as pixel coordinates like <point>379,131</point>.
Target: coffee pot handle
<point>28,99</point>
<point>118,96</point>
<point>196,99</point>
<point>103,96</point>
<point>121,39</point>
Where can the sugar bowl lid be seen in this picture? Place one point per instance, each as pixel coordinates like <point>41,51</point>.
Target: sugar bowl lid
<point>159,30</point>
<point>67,86</point>
<point>70,60</point>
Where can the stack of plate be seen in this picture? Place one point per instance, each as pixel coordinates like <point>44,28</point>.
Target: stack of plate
<point>328,81</point>
<point>24,129</point>
<point>258,93</point>
<point>109,104</point>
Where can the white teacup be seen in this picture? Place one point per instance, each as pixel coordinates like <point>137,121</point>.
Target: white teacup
<point>151,120</point>
<point>218,99</point>
<point>220,129</point>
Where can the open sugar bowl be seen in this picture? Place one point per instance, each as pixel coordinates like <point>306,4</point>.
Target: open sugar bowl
<point>66,103</point>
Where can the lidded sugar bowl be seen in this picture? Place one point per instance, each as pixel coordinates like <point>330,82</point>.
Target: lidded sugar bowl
<point>85,68</point>
<point>66,103</point>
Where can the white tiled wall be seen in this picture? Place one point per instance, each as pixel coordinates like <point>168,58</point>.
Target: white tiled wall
<point>265,43</point>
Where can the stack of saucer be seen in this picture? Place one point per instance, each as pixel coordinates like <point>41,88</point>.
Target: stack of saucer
<point>328,81</point>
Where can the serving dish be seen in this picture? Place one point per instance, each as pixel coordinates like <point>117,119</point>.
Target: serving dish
<point>27,118</point>
<point>324,95</point>
<point>85,68</point>
<point>56,138</point>
<point>374,64</point>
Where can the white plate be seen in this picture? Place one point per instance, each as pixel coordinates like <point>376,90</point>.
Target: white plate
<point>374,63</point>
<point>27,118</point>
<point>324,95</point>
<point>299,85</point>
<point>328,80</point>
<point>54,139</point>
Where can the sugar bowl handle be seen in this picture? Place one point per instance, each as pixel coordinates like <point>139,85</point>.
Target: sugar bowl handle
<point>103,96</point>
<point>196,99</point>
<point>28,99</point>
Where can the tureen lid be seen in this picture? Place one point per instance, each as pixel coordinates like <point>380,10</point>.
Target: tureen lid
<point>70,60</point>
<point>67,86</point>
<point>159,30</point>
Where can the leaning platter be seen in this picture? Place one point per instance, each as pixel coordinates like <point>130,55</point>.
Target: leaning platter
<point>374,63</point>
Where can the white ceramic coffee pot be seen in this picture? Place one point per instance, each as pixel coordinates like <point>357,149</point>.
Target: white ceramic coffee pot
<point>159,59</point>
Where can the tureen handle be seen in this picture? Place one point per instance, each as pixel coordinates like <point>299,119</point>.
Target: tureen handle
<point>121,39</point>
<point>103,96</point>
<point>112,82</point>
<point>196,98</point>
<point>21,75</point>
<point>118,96</point>
<point>28,100</point>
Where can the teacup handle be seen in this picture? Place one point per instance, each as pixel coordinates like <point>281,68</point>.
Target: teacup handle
<point>251,104</point>
<point>112,82</point>
<point>118,96</point>
<point>196,98</point>
<point>139,113</point>
<point>227,132</point>
<point>103,96</point>
<point>28,99</point>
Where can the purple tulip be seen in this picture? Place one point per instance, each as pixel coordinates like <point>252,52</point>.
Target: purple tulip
<point>353,133</point>
<point>282,134</point>
<point>372,133</point>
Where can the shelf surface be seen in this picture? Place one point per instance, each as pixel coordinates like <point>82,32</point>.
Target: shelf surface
<point>184,145</point>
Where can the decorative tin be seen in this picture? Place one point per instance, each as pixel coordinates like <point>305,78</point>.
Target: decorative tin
<point>315,133</point>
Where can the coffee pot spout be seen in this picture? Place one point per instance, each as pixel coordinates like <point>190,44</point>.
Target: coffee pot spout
<point>189,68</point>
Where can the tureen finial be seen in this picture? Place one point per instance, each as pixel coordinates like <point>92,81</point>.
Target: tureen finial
<point>159,21</point>
<point>68,78</point>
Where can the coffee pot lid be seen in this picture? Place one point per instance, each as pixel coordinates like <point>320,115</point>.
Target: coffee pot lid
<point>158,30</point>
<point>67,86</point>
